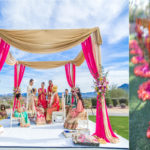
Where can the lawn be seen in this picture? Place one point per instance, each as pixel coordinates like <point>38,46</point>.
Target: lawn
<point>120,125</point>
<point>139,114</point>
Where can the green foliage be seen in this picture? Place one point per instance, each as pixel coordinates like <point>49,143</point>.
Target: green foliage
<point>123,100</point>
<point>87,103</point>
<point>115,102</point>
<point>108,98</point>
<point>94,102</point>
<point>108,101</point>
<point>116,92</point>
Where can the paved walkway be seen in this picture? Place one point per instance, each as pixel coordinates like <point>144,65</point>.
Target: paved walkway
<point>112,112</point>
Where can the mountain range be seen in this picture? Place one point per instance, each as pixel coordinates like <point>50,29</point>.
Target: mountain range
<point>84,95</point>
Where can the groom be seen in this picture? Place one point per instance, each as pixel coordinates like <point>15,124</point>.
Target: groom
<point>29,92</point>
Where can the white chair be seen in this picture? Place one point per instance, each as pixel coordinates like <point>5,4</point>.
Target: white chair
<point>12,118</point>
<point>59,116</point>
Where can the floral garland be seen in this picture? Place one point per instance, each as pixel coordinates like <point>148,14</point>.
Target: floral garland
<point>101,86</point>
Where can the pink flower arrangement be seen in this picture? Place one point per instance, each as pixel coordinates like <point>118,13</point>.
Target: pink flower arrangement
<point>138,59</point>
<point>144,91</point>
<point>101,85</point>
<point>137,51</point>
<point>142,70</point>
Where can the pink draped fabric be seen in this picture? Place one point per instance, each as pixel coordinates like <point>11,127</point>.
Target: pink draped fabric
<point>18,78</point>
<point>70,81</point>
<point>89,57</point>
<point>4,49</point>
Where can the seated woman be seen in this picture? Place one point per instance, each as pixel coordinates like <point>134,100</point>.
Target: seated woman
<point>20,113</point>
<point>75,114</point>
<point>53,105</point>
<point>3,113</point>
<point>37,110</point>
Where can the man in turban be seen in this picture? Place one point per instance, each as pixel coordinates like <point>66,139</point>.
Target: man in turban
<point>53,104</point>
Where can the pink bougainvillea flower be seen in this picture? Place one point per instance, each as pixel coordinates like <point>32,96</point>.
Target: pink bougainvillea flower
<point>142,70</point>
<point>137,51</point>
<point>138,60</point>
<point>133,44</point>
<point>144,91</point>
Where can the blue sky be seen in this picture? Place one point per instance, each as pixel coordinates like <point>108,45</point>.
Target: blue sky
<point>110,16</point>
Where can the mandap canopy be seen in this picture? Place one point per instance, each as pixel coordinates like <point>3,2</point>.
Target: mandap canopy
<point>52,41</point>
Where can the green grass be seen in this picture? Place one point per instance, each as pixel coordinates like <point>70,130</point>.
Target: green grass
<point>120,125</point>
<point>139,114</point>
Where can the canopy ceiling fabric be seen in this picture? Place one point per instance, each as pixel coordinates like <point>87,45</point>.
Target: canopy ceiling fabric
<point>45,64</point>
<point>48,41</point>
<point>10,60</point>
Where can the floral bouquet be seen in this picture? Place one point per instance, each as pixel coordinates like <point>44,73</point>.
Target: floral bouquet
<point>101,86</point>
<point>16,91</point>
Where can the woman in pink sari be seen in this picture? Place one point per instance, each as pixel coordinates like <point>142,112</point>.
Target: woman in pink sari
<point>75,114</point>
<point>42,96</point>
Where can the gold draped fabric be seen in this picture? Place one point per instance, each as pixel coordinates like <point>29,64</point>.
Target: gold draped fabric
<point>48,41</point>
<point>45,64</point>
<point>10,60</point>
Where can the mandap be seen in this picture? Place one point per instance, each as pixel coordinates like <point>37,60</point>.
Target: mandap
<point>53,41</point>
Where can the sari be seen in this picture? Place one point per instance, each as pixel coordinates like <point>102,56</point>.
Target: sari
<point>40,118</point>
<point>22,114</point>
<point>49,91</point>
<point>38,111</point>
<point>42,98</point>
<point>73,116</point>
<point>54,105</point>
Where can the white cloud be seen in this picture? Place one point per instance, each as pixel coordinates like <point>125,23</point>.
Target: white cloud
<point>119,30</point>
<point>119,55</point>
